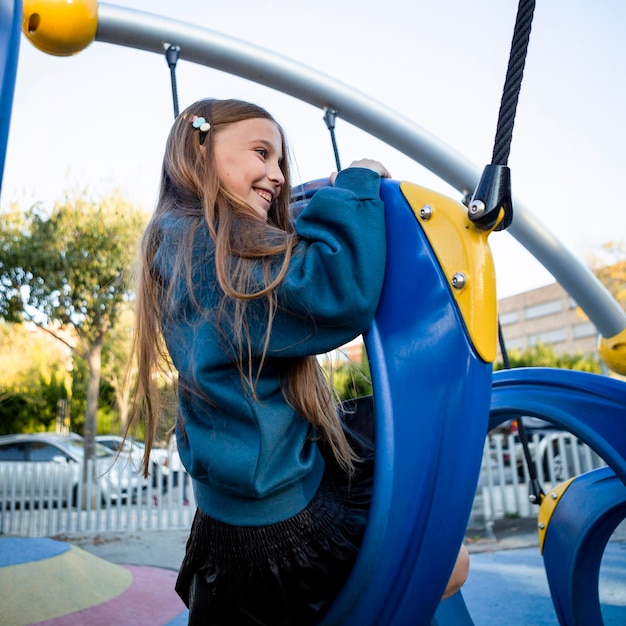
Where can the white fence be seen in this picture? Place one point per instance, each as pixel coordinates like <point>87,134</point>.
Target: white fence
<point>60,502</point>
<point>503,485</point>
<point>44,500</point>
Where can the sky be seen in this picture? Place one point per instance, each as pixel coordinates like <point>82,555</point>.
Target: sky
<point>99,119</point>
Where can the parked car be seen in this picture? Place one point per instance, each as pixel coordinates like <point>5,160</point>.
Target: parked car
<point>47,468</point>
<point>131,451</point>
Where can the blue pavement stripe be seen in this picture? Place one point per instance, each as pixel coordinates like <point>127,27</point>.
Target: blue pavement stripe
<point>18,550</point>
<point>510,587</point>
<point>181,620</point>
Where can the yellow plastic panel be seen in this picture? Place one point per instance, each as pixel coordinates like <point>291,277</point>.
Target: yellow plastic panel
<point>465,257</point>
<point>546,510</point>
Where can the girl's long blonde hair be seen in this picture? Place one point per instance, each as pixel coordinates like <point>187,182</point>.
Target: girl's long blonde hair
<point>191,189</point>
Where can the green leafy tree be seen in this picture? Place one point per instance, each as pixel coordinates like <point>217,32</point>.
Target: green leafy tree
<point>116,369</point>
<point>31,407</point>
<point>65,270</point>
<point>543,356</point>
<point>351,379</point>
<point>34,378</point>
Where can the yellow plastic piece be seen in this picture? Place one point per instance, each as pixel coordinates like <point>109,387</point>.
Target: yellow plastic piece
<point>613,352</point>
<point>548,505</point>
<point>60,27</point>
<point>463,252</point>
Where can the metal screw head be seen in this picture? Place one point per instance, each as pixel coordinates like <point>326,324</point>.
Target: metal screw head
<point>426,212</point>
<point>553,496</point>
<point>459,280</point>
<point>542,526</point>
<point>476,208</point>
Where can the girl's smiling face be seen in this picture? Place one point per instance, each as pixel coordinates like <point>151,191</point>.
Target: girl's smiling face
<point>248,155</point>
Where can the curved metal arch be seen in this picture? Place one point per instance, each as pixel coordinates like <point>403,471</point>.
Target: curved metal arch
<point>145,31</point>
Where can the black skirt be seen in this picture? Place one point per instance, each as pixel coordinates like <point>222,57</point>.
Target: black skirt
<point>288,573</point>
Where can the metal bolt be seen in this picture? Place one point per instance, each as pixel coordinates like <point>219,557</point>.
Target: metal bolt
<point>553,496</point>
<point>426,212</point>
<point>459,280</point>
<point>541,526</point>
<point>476,208</point>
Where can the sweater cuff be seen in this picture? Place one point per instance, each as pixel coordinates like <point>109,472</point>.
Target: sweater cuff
<point>363,182</point>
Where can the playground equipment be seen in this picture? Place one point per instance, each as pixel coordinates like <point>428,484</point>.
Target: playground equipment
<point>430,348</point>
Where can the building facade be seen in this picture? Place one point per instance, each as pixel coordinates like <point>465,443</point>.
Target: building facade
<point>549,316</point>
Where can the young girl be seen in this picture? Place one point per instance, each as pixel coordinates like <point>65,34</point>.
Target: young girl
<point>241,299</point>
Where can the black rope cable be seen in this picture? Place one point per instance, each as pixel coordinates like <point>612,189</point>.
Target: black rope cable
<point>535,491</point>
<point>171,56</point>
<point>491,206</point>
<point>513,82</point>
<point>330,117</point>
<point>494,192</point>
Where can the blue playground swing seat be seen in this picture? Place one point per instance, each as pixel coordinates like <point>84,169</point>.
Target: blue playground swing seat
<point>579,516</point>
<point>431,399</point>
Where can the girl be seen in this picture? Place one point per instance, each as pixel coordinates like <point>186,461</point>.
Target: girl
<point>241,299</point>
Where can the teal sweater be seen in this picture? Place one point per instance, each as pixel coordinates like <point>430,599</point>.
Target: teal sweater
<point>254,461</point>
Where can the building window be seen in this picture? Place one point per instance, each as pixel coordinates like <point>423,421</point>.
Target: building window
<point>510,317</point>
<point>549,337</point>
<point>541,310</point>
<point>518,343</point>
<point>584,330</point>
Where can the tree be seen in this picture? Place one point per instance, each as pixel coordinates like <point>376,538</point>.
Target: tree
<point>34,378</point>
<point>543,356</point>
<point>33,407</point>
<point>351,380</point>
<point>116,369</point>
<point>66,271</point>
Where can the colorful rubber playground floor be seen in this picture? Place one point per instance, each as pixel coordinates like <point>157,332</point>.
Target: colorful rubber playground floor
<point>50,582</point>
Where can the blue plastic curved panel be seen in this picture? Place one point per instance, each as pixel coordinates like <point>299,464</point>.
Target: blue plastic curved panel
<point>581,525</point>
<point>431,395</point>
<point>590,406</point>
<point>453,612</point>
<point>10,29</point>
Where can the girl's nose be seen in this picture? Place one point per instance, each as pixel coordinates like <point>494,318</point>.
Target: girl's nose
<point>276,174</point>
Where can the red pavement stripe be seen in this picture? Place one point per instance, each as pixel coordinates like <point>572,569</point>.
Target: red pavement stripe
<point>150,599</point>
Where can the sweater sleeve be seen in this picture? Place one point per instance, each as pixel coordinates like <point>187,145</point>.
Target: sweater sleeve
<point>332,287</point>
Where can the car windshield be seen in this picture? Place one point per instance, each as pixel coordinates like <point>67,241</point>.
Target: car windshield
<point>77,446</point>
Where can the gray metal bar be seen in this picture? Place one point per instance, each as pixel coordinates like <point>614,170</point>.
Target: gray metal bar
<point>145,31</point>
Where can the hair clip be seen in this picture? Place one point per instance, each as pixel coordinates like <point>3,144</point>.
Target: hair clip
<point>201,123</point>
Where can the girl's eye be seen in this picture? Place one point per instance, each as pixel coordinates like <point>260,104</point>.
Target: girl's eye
<point>262,152</point>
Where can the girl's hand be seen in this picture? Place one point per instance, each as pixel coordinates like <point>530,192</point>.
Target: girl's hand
<point>369,164</point>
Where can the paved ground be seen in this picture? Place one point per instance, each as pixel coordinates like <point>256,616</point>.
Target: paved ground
<point>155,548</point>
<point>54,583</point>
<point>503,534</point>
<point>166,548</point>
<point>507,583</point>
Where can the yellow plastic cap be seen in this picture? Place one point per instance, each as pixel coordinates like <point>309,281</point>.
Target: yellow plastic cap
<point>60,27</point>
<point>613,352</point>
